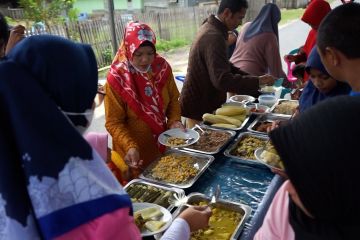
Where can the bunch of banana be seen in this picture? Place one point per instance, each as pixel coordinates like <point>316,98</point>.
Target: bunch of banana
<point>228,116</point>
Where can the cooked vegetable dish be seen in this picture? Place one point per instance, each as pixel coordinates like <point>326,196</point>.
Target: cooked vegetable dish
<point>247,146</point>
<point>144,193</point>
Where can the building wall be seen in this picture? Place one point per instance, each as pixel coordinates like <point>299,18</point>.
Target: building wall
<point>126,5</point>
<point>90,5</point>
<point>156,3</point>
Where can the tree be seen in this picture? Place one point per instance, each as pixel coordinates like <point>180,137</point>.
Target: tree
<point>46,11</point>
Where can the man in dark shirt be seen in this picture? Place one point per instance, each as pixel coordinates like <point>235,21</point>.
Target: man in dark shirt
<point>210,75</point>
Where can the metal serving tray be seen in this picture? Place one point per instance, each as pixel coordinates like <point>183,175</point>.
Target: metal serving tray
<point>202,163</point>
<point>266,118</point>
<point>278,102</point>
<point>234,129</point>
<point>232,134</point>
<point>178,191</point>
<point>231,148</point>
<point>245,210</point>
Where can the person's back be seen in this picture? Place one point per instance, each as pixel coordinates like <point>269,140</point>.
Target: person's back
<point>4,35</point>
<point>257,47</point>
<point>318,177</point>
<point>51,178</point>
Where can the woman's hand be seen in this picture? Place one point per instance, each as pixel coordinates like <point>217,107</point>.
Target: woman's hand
<point>274,124</point>
<point>17,33</point>
<point>197,217</point>
<point>178,124</point>
<point>289,58</point>
<point>281,173</point>
<point>132,158</point>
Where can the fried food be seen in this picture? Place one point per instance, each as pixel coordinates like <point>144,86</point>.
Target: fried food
<point>175,168</point>
<point>271,157</point>
<point>175,141</point>
<point>286,107</point>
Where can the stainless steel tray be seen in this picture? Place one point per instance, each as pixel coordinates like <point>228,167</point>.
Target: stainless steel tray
<point>234,129</point>
<point>266,118</point>
<point>245,210</point>
<point>232,134</point>
<point>231,148</point>
<point>278,102</point>
<point>178,191</point>
<point>202,163</point>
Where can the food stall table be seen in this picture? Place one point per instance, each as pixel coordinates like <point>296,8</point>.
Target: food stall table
<point>253,185</point>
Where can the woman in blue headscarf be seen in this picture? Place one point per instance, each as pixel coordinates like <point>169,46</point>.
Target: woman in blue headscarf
<point>321,85</point>
<point>257,47</point>
<point>52,183</point>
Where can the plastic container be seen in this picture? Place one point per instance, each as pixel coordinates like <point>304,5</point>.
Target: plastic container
<point>267,100</point>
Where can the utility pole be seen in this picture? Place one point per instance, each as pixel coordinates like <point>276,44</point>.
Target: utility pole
<point>254,9</point>
<point>110,4</point>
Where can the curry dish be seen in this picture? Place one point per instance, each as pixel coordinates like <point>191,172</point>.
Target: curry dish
<point>222,224</point>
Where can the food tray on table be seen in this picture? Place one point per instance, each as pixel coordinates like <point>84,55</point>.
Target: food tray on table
<point>177,168</point>
<point>260,124</point>
<point>244,117</point>
<point>236,212</point>
<point>212,141</point>
<point>284,107</point>
<point>244,147</point>
<point>143,191</point>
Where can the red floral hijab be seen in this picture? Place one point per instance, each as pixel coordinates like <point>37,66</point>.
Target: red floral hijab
<point>141,91</point>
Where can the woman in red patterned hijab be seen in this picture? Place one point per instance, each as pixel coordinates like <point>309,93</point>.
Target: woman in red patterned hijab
<point>141,96</point>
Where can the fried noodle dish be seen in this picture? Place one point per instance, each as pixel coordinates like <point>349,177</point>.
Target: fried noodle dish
<point>175,169</point>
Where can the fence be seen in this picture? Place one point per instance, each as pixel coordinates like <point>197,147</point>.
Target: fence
<point>15,13</point>
<point>168,24</point>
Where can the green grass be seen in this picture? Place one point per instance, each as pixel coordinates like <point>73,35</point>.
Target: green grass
<point>164,45</point>
<point>103,73</point>
<point>288,15</point>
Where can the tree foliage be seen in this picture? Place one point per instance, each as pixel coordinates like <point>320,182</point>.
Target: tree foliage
<point>46,11</point>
